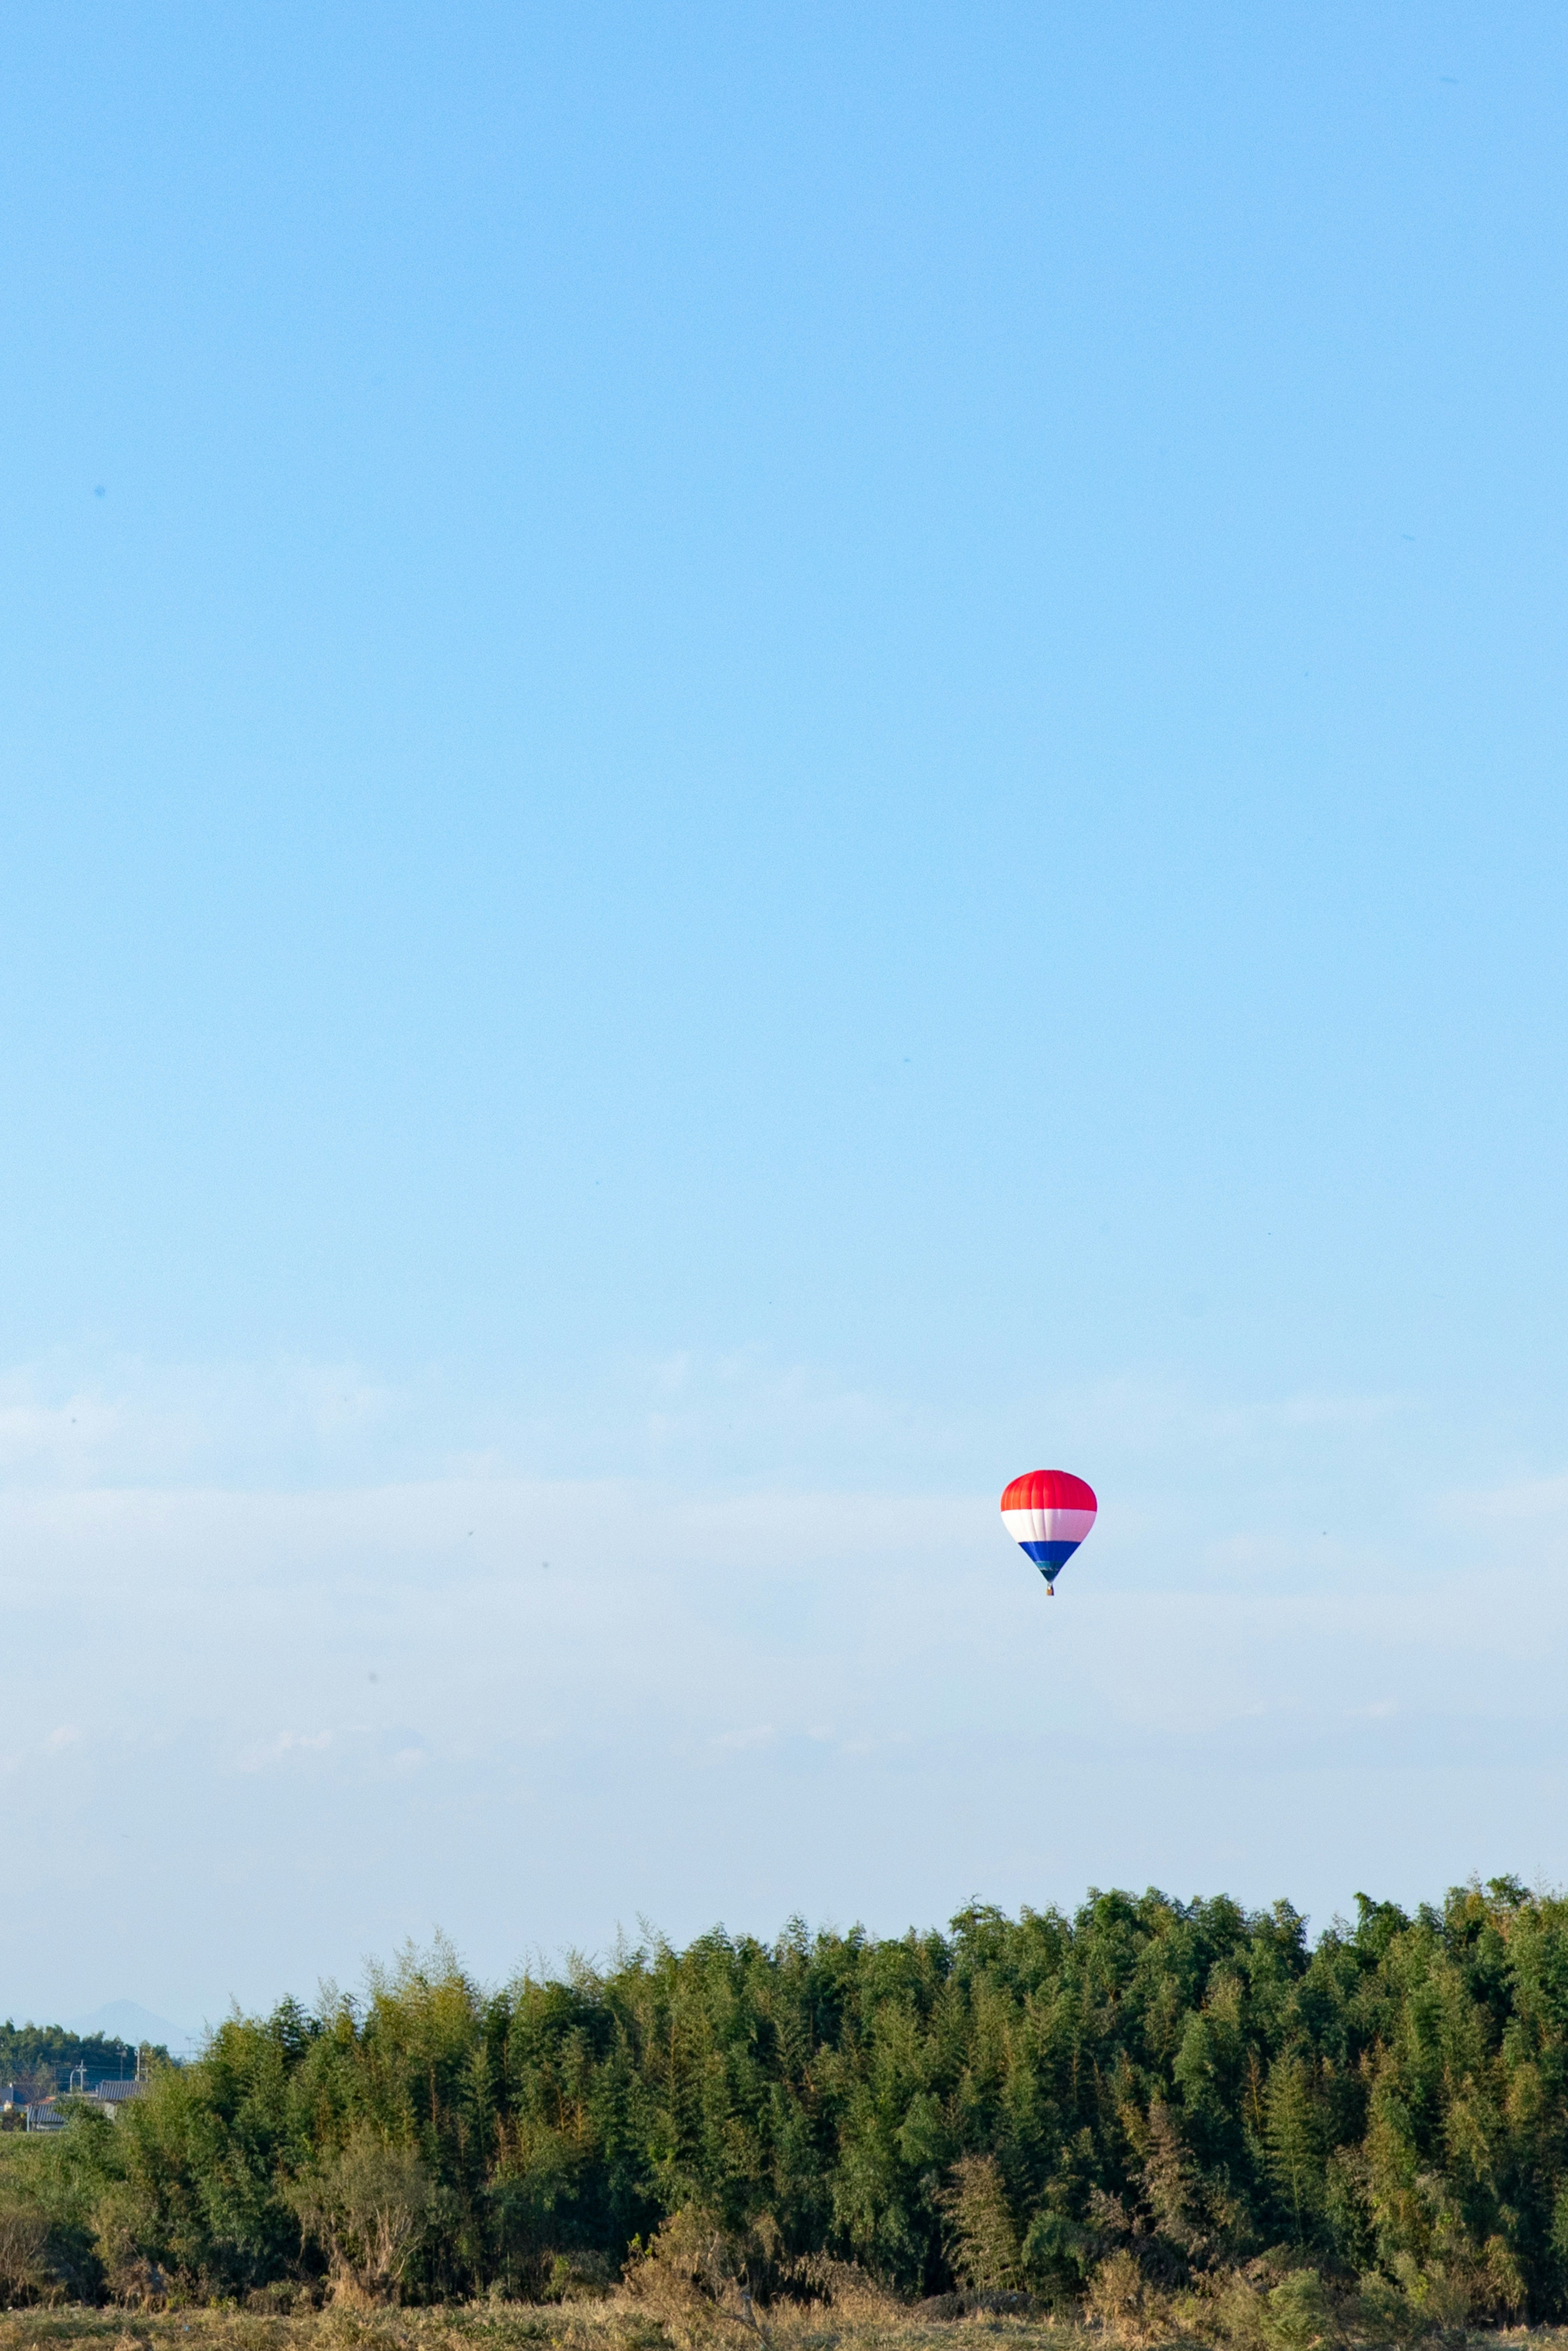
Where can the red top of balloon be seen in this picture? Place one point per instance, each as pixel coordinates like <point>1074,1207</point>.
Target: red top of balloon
<point>1050,1489</point>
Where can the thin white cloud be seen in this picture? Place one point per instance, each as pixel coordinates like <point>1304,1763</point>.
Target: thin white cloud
<point>340,1707</point>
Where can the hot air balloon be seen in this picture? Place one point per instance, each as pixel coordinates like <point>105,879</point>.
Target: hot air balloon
<point>1047,1512</point>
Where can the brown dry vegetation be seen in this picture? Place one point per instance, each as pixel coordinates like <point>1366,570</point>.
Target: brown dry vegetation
<point>686,2292</point>
<point>622,2323</point>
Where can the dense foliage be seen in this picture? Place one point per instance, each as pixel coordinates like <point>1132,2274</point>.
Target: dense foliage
<point>1028,2103</point>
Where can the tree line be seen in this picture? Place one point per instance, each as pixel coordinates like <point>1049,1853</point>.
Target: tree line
<point>1146,2090</point>
<point>40,2059</point>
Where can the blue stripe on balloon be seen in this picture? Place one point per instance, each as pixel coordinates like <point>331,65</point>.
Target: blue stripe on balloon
<point>1049,1554</point>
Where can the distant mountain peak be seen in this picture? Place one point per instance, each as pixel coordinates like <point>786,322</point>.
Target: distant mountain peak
<point>126,2020</point>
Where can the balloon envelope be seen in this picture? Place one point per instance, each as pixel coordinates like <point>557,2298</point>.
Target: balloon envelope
<point>1047,1512</point>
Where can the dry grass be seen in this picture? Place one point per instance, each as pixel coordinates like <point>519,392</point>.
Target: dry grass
<point>620,2324</point>
<point>687,2291</point>
<point>617,2323</point>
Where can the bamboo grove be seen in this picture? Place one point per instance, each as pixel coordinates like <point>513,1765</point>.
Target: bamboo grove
<point>1175,2088</point>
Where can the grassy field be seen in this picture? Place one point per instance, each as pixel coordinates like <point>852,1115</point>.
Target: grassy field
<point>612,2325</point>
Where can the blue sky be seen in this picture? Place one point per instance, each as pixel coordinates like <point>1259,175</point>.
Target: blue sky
<point>759,763</point>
